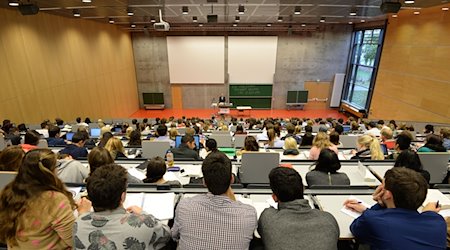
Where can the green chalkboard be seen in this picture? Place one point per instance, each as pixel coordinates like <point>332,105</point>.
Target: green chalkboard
<point>297,96</point>
<point>153,98</point>
<point>255,103</point>
<point>292,97</point>
<point>250,90</point>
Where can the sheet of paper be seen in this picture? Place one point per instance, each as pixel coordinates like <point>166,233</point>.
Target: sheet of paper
<point>133,199</point>
<point>365,173</point>
<point>170,176</point>
<point>136,173</point>
<point>434,195</point>
<point>160,205</point>
<point>75,192</point>
<point>352,213</point>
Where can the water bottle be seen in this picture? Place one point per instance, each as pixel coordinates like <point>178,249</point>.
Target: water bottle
<point>169,158</point>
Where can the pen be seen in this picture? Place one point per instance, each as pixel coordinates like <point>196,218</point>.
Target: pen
<point>437,204</point>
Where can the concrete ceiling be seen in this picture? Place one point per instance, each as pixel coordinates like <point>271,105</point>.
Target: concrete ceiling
<point>258,13</point>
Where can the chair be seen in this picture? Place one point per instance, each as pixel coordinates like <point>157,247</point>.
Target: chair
<point>151,149</point>
<point>239,141</point>
<point>223,140</point>
<point>2,143</point>
<point>348,141</point>
<point>181,131</point>
<point>220,132</point>
<point>315,128</point>
<point>6,177</point>
<point>42,143</point>
<point>256,166</point>
<point>436,163</point>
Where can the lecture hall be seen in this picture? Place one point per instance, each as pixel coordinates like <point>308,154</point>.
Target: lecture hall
<point>225,124</point>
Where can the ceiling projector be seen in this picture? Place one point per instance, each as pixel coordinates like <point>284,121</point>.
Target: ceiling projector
<point>161,25</point>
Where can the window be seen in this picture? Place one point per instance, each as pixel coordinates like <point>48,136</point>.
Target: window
<point>365,54</point>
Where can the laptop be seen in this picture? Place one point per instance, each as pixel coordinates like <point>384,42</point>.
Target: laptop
<point>95,132</point>
<point>178,141</point>
<point>69,136</point>
<point>346,128</point>
<point>256,166</point>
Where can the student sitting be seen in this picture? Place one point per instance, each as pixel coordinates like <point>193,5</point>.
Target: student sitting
<point>386,137</point>
<point>186,149</point>
<point>445,135</point>
<point>76,149</point>
<point>111,225</point>
<point>31,140</point>
<point>156,169</point>
<point>433,144</point>
<point>321,141</point>
<point>410,159</point>
<point>290,147</point>
<point>325,171</point>
<point>53,139</point>
<point>295,225</point>
<point>70,170</point>
<point>274,140</point>
<point>11,158</point>
<point>308,137</point>
<point>394,222</point>
<point>115,148</point>
<point>368,147</point>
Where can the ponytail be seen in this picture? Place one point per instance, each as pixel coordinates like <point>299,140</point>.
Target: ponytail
<point>375,150</point>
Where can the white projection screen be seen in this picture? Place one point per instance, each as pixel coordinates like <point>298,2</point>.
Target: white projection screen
<point>252,59</point>
<point>196,59</point>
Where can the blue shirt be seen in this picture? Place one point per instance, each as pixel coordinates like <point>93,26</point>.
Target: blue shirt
<point>75,151</point>
<point>399,228</point>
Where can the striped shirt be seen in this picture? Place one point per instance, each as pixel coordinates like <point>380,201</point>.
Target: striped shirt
<point>210,221</point>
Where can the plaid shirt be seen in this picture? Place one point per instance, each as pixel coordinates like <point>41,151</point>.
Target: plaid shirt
<point>210,221</point>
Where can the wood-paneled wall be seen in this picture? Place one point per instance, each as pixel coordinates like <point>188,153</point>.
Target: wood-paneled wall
<point>53,66</point>
<point>413,81</point>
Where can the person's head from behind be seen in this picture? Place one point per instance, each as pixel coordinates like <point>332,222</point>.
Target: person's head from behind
<point>409,159</point>
<point>339,129</point>
<point>114,146</point>
<point>32,137</point>
<point>286,184</point>
<point>189,141</point>
<point>371,143</point>
<point>328,161</point>
<point>386,133</point>
<point>11,158</point>
<point>250,143</point>
<point>53,131</point>
<point>79,138</point>
<point>216,169</point>
<point>211,145</point>
<point>78,119</point>
<point>308,129</point>
<point>99,157</point>
<point>135,138</point>
<point>405,188</point>
<point>429,129</point>
<point>290,128</point>
<point>321,140</point>
<point>334,138</point>
<point>403,141</point>
<point>445,133</point>
<point>239,129</point>
<point>156,168</point>
<point>433,139</point>
<point>107,187</point>
<point>290,143</point>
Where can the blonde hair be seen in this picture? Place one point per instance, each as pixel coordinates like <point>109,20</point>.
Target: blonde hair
<point>104,129</point>
<point>290,143</point>
<point>271,135</point>
<point>128,131</point>
<point>173,133</point>
<point>322,140</point>
<point>373,144</point>
<point>386,132</point>
<point>114,146</point>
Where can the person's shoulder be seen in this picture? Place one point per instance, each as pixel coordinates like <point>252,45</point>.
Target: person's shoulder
<point>244,207</point>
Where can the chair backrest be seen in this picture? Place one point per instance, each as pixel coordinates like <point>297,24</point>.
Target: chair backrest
<point>436,163</point>
<point>223,141</point>
<point>181,131</point>
<point>75,128</point>
<point>220,132</point>
<point>42,143</point>
<point>6,177</point>
<point>348,141</point>
<point>256,166</point>
<point>151,149</point>
<point>315,128</point>
<point>239,141</point>
<point>2,143</point>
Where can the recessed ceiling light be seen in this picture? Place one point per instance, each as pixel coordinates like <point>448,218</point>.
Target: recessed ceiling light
<point>297,10</point>
<point>269,24</point>
<point>350,22</point>
<point>111,21</point>
<point>353,12</point>
<point>237,19</point>
<point>416,12</point>
<point>86,1</point>
<point>303,24</point>
<point>130,12</point>
<point>133,25</point>
<point>445,8</point>
<point>200,25</point>
<point>363,21</point>
<point>185,10</point>
<point>194,19</point>
<point>241,9</point>
<point>394,15</point>
<point>322,20</point>
<point>13,3</point>
<point>409,1</point>
<point>234,24</point>
<point>280,19</point>
<point>152,20</point>
<point>76,13</point>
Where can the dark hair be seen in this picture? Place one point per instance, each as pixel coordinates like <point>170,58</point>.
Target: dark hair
<point>161,130</point>
<point>156,168</point>
<point>429,128</point>
<point>250,143</point>
<point>286,184</point>
<point>78,136</point>
<point>339,129</point>
<point>216,170</point>
<point>32,137</point>
<point>403,141</point>
<point>328,161</point>
<point>408,187</point>
<point>35,176</point>
<point>99,157</point>
<point>78,119</point>
<point>105,187</point>
<point>239,128</point>
<point>434,143</point>
<point>307,139</point>
<point>409,159</point>
<point>135,138</point>
<point>290,128</point>
<point>308,129</point>
<point>11,158</point>
<point>334,138</point>
<point>186,139</point>
<point>53,131</point>
<point>87,120</point>
<point>211,144</point>
<point>105,137</point>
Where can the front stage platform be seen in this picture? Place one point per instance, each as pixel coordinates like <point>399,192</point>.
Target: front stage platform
<point>256,113</point>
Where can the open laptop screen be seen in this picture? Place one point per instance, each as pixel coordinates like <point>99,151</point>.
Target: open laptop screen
<point>178,141</point>
<point>95,132</point>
